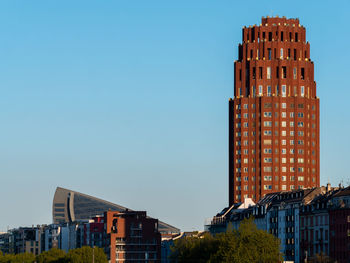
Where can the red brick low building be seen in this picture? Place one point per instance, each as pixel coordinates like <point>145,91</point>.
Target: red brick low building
<point>131,236</point>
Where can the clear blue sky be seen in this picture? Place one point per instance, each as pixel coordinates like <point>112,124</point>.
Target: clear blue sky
<point>128,101</point>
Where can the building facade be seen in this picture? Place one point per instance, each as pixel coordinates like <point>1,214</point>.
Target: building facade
<point>132,237</point>
<point>274,115</point>
<point>311,224</point>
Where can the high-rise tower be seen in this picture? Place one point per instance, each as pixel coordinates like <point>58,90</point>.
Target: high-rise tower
<point>274,115</point>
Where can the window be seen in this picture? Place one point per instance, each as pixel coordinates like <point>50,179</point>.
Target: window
<point>268,160</point>
<point>269,91</point>
<point>300,133</point>
<point>284,105</point>
<point>291,160</point>
<point>260,90</point>
<point>291,114</point>
<point>284,142</point>
<point>245,115</point>
<point>284,160</point>
<point>284,187</point>
<point>291,133</point>
<point>284,151</point>
<point>294,73</point>
<point>269,53</point>
<point>267,150</point>
<point>267,187</point>
<point>284,72</point>
<point>291,124</point>
<point>300,160</point>
<point>267,142</point>
<point>284,169</point>
<point>267,133</point>
<point>267,169</point>
<point>268,71</point>
<point>267,114</point>
<point>284,90</point>
<point>284,178</point>
<point>284,114</point>
<point>267,178</point>
<point>300,142</point>
<point>284,124</point>
<point>267,123</point>
<point>302,91</point>
<point>281,53</point>
<point>300,124</point>
<point>302,75</point>
<point>300,178</point>
<point>260,73</point>
<point>291,142</point>
<point>284,133</point>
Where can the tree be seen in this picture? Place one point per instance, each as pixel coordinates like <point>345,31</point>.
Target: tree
<point>54,255</point>
<point>193,249</point>
<point>247,244</point>
<point>86,255</point>
<point>19,258</point>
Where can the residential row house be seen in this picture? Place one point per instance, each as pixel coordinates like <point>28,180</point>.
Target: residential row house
<point>129,236</point>
<point>309,222</point>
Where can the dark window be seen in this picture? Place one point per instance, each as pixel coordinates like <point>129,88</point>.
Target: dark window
<point>295,54</point>
<point>260,73</point>
<point>254,72</point>
<point>289,52</point>
<point>281,36</point>
<point>59,205</point>
<point>59,209</point>
<point>296,37</point>
<point>270,36</point>
<point>251,53</point>
<point>263,35</point>
<point>240,74</point>
<point>284,72</point>
<point>269,53</point>
<point>302,73</point>
<point>277,72</point>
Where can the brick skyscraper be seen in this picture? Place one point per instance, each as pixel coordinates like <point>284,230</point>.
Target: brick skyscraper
<point>274,115</point>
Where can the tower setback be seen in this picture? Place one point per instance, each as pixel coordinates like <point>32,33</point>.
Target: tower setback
<point>274,115</point>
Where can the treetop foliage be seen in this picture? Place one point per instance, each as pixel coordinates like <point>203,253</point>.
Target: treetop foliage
<point>79,255</point>
<point>245,245</point>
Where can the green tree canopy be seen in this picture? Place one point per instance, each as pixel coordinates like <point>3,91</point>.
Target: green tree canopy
<point>245,245</point>
<point>54,255</point>
<point>19,258</point>
<point>85,255</point>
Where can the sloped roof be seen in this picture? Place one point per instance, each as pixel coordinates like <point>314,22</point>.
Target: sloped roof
<point>69,206</point>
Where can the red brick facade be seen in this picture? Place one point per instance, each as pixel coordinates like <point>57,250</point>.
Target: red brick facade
<point>133,237</point>
<point>274,116</point>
